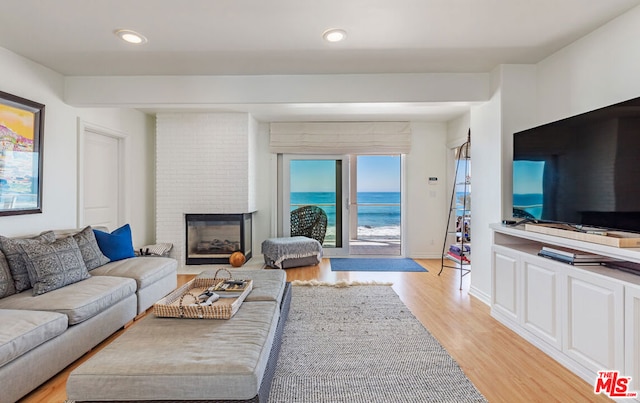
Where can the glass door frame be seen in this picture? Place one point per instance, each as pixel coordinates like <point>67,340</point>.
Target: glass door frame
<point>353,207</point>
<point>344,199</point>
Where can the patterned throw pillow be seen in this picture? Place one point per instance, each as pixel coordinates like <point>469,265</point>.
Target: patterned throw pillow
<point>6,281</point>
<point>91,253</point>
<point>12,251</point>
<point>54,265</point>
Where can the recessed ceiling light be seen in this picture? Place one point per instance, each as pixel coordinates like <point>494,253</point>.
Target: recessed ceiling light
<point>334,35</point>
<point>130,36</point>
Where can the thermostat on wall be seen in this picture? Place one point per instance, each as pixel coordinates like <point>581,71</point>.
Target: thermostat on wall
<point>433,180</point>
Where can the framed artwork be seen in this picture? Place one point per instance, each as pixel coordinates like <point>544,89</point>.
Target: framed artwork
<point>21,130</point>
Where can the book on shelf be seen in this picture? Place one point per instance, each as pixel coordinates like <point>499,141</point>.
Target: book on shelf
<point>589,260</point>
<point>461,259</point>
<point>565,259</point>
<point>459,247</point>
<point>570,253</point>
<point>629,267</point>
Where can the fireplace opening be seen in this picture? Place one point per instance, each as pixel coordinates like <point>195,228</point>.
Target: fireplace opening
<point>212,238</point>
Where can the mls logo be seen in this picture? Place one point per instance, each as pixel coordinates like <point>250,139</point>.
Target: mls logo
<point>613,385</point>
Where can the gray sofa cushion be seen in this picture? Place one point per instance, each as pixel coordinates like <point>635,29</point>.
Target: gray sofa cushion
<point>54,265</point>
<point>12,251</point>
<point>6,281</point>
<point>21,331</point>
<point>79,301</point>
<point>91,253</point>
<point>145,270</point>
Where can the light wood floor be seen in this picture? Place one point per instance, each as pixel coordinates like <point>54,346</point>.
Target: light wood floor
<point>503,366</point>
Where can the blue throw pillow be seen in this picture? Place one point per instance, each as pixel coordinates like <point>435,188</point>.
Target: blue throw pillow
<point>117,245</point>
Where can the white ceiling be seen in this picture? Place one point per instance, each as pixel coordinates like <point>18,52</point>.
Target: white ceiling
<point>263,37</point>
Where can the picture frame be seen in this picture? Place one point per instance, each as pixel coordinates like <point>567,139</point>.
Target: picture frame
<point>21,155</point>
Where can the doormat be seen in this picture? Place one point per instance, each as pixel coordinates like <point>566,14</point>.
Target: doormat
<point>375,264</point>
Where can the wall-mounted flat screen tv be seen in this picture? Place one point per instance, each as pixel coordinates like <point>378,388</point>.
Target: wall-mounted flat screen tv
<point>582,171</point>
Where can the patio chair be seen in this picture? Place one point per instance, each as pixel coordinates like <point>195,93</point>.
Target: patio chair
<point>309,221</point>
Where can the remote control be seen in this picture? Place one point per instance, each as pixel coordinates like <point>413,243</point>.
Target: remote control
<point>213,297</point>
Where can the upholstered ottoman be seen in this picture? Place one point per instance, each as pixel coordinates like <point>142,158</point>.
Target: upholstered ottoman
<point>283,253</point>
<point>204,360</point>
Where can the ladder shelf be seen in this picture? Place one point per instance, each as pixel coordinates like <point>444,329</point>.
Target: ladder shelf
<point>456,249</point>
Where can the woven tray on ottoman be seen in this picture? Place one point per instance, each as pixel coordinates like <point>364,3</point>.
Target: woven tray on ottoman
<point>183,302</point>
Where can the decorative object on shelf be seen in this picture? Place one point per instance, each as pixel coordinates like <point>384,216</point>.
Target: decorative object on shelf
<point>21,131</point>
<point>456,249</point>
<point>237,259</point>
<point>617,239</point>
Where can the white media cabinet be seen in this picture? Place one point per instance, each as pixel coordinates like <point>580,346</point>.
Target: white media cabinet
<point>585,317</point>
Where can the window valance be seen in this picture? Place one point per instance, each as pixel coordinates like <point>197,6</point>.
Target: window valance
<point>340,138</point>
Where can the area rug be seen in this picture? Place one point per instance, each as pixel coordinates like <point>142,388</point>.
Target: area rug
<point>362,344</point>
<point>375,264</point>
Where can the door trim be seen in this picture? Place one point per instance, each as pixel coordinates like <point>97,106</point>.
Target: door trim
<point>85,127</point>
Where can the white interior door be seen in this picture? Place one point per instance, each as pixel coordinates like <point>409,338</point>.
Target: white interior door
<point>101,178</point>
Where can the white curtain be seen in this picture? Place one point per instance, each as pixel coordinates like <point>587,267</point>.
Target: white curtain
<point>340,138</point>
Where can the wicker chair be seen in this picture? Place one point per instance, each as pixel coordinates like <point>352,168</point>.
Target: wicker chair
<point>309,221</point>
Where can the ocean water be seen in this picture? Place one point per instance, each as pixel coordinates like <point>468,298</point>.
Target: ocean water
<point>529,202</point>
<point>382,222</point>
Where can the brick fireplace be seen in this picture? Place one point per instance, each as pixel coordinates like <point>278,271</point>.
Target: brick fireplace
<point>205,163</point>
<point>212,238</point>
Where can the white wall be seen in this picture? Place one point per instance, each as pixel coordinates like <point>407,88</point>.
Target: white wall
<point>188,91</point>
<point>425,225</point>
<point>23,78</point>
<point>26,79</point>
<point>204,165</point>
<point>264,220</point>
<point>140,186</point>
<point>511,109</point>
<point>426,205</point>
<point>457,131</point>
<point>598,70</point>
<point>487,187</point>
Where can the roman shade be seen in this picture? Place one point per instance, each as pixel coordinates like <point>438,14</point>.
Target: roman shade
<point>340,138</point>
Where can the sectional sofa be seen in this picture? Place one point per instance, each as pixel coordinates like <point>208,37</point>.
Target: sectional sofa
<point>70,298</point>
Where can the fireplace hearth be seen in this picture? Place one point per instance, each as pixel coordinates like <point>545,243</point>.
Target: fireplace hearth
<point>212,238</point>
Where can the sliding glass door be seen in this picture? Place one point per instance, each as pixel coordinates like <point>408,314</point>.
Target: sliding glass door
<point>319,181</point>
<point>375,205</point>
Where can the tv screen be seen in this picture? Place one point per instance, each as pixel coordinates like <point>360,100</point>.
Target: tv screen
<point>583,170</point>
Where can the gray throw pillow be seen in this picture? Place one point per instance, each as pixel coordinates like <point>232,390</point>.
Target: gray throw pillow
<point>91,253</point>
<point>54,265</point>
<point>12,251</point>
<point>6,281</point>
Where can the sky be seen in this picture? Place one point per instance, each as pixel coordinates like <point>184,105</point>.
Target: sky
<point>529,177</point>
<point>376,173</point>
